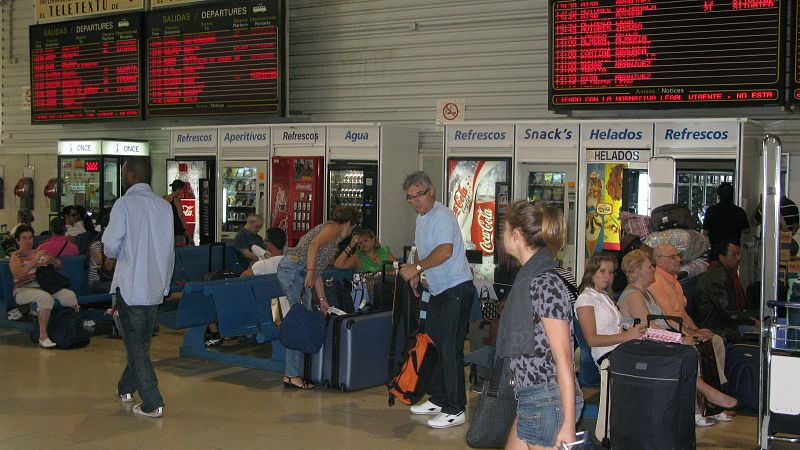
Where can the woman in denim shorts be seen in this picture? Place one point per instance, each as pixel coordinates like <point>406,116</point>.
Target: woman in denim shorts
<point>535,333</point>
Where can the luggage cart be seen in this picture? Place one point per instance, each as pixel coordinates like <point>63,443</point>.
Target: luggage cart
<point>780,364</point>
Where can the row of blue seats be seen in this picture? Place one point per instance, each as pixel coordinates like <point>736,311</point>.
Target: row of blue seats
<point>191,264</point>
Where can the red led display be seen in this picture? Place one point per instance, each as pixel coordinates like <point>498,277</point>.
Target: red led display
<point>606,54</point>
<point>92,166</point>
<point>794,76</point>
<point>220,58</point>
<point>86,70</point>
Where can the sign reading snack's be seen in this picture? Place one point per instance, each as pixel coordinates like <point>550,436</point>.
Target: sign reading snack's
<point>61,9</point>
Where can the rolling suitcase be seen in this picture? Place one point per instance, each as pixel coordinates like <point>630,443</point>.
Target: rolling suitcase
<point>217,274</point>
<point>652,390</point>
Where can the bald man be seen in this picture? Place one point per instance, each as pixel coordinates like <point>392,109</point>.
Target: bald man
<point>668,293</point>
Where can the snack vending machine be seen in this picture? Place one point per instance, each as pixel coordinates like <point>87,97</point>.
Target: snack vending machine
<point>354,185</point>
<point>242,185</point>
<point>198,196</point>
<point>296,200</point>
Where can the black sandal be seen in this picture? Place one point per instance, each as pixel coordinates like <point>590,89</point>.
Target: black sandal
<point>287,383</point>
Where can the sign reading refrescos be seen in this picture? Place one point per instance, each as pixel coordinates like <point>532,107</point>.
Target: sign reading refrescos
<point>86,70</point>
<point>211,59</point>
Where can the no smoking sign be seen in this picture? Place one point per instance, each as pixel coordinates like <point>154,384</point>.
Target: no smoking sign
<point>449,110</point>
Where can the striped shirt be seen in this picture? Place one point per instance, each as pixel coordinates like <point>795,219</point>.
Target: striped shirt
<point>29,279</point>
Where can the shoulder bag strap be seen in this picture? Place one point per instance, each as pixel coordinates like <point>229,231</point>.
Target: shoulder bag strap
<point>62,248</point>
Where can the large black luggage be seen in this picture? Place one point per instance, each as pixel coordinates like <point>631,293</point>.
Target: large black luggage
<point>217,274</point>
<point>743,374</point>
<point>65,329</point>
<point>652,389</point>
<point>673,215</point>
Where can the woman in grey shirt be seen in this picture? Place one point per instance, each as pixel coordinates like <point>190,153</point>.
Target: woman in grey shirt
<point>302,267</point>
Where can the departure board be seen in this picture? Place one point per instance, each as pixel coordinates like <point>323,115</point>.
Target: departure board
<point>606,54</point>
<point>215,59</point>
<point>86,70</point>
<point>794,60</point>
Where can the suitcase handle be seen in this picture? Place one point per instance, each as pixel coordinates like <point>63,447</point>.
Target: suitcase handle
<point>211,253</point>
<point>652,317</point>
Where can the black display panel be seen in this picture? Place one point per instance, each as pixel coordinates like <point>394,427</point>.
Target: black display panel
<point>794,60</point>
<point>86,70</point>
<point>218,58</point>
<point>607,54</point>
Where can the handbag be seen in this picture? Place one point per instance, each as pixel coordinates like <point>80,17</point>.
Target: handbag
<point>489,306</point>
<point>303,330</point>
<point>49,280</point>
<point>496,410</point>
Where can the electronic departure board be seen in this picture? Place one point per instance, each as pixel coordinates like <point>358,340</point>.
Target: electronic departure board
<point>86,70</point>
<point>607,54</point>
<point>215,59</point>
<point>794,59</point>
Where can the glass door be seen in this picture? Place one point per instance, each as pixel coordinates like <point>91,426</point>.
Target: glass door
<point>80,183</point>
<point>239,195</point>
<point>111,182</point>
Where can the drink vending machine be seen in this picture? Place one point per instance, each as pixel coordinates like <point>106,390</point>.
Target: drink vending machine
<point>478,174</point>
<point>297,183</point>
<point>244,166</point>
<point>193,160</point>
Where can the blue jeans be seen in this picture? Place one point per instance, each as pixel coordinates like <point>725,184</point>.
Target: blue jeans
<point>446,324</point>
<point>292,277</point>
<point>540,413</point>
<point>136,328</point>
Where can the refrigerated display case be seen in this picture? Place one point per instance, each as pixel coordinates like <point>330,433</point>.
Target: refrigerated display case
<point>354,185</point>
<point>297,195</point>
<point>198,196</point>
<point>242,194</point>
<point>698,190</point>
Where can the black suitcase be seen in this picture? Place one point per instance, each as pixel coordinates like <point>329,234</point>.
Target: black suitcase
<point>673,215</point>
<point>743,374</point>
<point>652,390</point>
<point>217,274</point>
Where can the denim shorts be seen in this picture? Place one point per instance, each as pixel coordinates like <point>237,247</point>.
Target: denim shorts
<point>539,413</point>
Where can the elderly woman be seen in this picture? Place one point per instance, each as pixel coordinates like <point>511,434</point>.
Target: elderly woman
<point>23,265</point>
<point>24,217</point>
<point>636,302</point>
<point>301,269</point>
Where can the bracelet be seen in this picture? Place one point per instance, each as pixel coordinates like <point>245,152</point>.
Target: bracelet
<point>348,252</point>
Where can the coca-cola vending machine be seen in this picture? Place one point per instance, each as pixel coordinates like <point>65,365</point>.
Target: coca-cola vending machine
<point>472,190</point>
<point>197,197</point>
<point>296,198</point>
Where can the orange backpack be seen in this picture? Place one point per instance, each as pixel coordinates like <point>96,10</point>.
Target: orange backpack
<point>421,360</point>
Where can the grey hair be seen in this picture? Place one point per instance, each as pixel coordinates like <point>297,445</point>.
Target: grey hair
<point>255,218</point>
<point>416,178</point>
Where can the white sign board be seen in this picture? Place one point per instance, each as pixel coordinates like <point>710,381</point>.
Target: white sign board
<point>617,135</point>
<point>353,136</point>
<point>298,136</point>
<point>450,110</point>
<point>26,98</point>
<point>489,136</point>
<point>628,155</point>
<point>79,148</point>
<point>697,134</point>
<point>547,135</point>
<point>256,137</point>
<point>194,138</point>
<point>125,148</point>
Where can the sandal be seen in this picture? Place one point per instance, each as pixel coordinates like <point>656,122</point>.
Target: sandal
<point>288,383</point>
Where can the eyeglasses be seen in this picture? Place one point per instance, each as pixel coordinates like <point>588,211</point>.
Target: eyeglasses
<point>674,256</point>
<point>414,197</point>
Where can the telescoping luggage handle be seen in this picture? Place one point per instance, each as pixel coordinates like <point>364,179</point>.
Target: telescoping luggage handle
<point>211,254</point>
<point>679,320</point>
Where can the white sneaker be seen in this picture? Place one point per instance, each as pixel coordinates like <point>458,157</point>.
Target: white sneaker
<point>125,398</point>
<point>721,417</point>
<point>336,311</point>
<point>443,420</point>
<point>47,343</point>
<point>426,408</point>
<point>154,414</point>
<point>89,323</point>
<point>701,421</point>
<point>14,314</point>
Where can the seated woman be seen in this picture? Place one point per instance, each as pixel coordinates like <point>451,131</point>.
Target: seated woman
<point>23,265</point>
<point>364,253</point>
<point>101,269</point>
<point>636,302</point>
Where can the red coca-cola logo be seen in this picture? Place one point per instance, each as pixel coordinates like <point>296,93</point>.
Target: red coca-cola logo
<point>459,199</point>
<point>189,209</point>
<point>486,224</point>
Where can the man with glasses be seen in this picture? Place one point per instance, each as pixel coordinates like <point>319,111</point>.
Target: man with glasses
<point>441,258</point>
<point>668,293</point>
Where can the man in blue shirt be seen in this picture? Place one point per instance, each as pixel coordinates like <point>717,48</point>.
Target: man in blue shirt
<point>142,242</point>
<point>246,238</point>
<point>441,258</point>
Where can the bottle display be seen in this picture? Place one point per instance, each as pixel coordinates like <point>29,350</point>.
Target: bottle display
<point>546,187</point>
<point>239,188</point>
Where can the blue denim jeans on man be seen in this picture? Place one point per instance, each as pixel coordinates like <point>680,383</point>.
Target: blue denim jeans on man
<point>136,325</point>
<point>292,276</point>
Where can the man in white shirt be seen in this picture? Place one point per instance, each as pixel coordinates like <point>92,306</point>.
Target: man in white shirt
<point>142,243</point>
<point>276,240</point>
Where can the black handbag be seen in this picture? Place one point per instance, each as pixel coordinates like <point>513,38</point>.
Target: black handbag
<point>496,410</point>
<point>49,280</point>
<point>489,306</point>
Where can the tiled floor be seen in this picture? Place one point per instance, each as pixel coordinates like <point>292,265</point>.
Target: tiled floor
<point>65,399</point>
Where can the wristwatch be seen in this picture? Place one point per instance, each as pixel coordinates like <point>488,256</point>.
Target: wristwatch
<point>419,268</point>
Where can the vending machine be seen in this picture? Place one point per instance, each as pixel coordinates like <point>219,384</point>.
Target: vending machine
<point>90,171</point>
<point>198,196</point>
<point>611,154</point>
<point>546,170</point>
<point>354,184</point>
<point>477,170</point>
<point>296,198</point>
<point>243,173</point>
